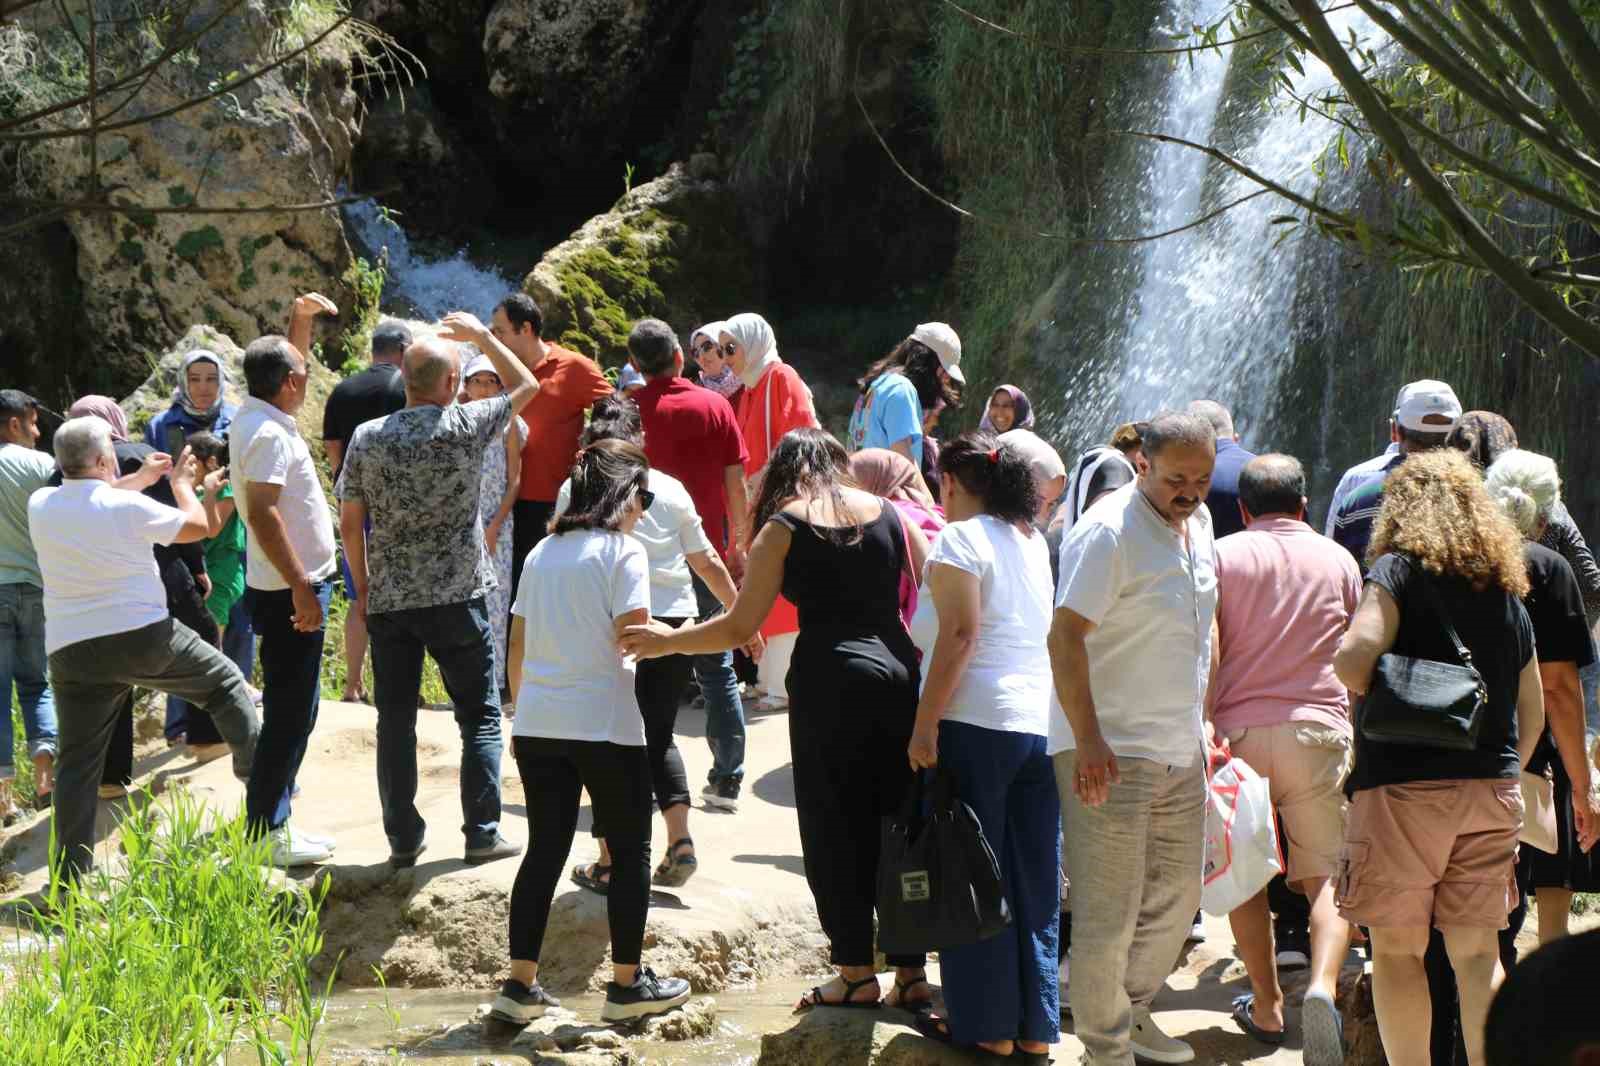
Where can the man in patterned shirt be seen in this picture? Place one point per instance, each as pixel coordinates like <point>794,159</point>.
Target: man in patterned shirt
<point>422,574</point>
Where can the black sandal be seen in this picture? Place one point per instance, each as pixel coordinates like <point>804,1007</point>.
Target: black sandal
<point>675,870</point>
<point>588,875</point>
<point>937,1029</point>
<point>814,998</point>
<point>914,1007</point>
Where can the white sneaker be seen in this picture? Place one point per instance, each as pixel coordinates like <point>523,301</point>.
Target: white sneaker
<point>317,838</point>
<point>1148,1042</point>
<point>1197,931</point>
<point>290,848</point>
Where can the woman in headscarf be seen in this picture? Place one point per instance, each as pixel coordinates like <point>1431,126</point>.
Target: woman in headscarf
<point>774,401</point>
<point>1008,409</point>
<point>891,476</point>
<point>199,402</point>
<point>716,373</point>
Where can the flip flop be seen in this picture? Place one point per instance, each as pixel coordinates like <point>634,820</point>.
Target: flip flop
<point>588,875</point>
<point>1322,1031</point>
<point>1242,1018</point>
<point>814,998</point>
<point>937,1029</point>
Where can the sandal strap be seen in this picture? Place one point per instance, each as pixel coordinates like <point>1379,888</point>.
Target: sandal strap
<point>851,986</point>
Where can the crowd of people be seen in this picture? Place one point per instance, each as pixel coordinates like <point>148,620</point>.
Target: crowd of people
<point>1077,646</point>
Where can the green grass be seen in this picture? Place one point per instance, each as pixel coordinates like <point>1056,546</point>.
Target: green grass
<point>188,954</point>
<point>333,665</point>
<point>23,784</point>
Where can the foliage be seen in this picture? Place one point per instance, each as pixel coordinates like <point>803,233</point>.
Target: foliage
<point>187,954</point>
<point>22,785</point>
<point>334,672</point>
<point>366,281</point>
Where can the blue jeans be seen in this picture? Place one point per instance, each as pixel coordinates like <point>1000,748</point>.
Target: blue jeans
<point>724,709</point>
<point>461,641</point>
<point>291,690</point>
<point>23,663</point>
<point>1005,988</point>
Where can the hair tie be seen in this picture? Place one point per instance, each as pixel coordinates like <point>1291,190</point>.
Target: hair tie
<point>994,455</point>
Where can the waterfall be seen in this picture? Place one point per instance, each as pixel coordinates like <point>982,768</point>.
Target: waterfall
<point>419,285</point>
<point>1208,312</point>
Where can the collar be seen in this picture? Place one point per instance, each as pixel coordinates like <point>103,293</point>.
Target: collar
<point>253,403</point>
<point>1277,523</point>
<point>1149,510</point>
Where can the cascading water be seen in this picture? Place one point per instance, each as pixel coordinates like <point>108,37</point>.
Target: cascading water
<point>1209,311</point>
<point>421,285</point>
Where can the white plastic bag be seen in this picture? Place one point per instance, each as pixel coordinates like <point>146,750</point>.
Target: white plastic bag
<point>1241,839</point>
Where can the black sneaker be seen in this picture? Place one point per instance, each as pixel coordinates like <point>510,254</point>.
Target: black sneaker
<point>519,1004</point>
<point>648,994</point>
<point>723,795</point>
<point>1294,948</point>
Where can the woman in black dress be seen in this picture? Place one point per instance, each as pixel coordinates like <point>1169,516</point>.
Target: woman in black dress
<point>837,553</point>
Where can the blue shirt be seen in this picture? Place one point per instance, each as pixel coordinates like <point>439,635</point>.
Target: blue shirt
<point>889,413</point>
<point>1223,499</point>
<point>155,434</point>
<point>1352,522</point>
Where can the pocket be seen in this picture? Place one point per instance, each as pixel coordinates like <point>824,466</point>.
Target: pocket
<point>1353,855</point>
<point>1321,736</point>
<point>1509,793</point>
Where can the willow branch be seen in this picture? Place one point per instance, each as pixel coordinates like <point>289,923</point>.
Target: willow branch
<point>1575,37</point>
<point>1553,67</point>
<point>1500,28</point>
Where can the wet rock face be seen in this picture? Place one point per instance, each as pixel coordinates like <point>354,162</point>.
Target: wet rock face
<point>415,159</point>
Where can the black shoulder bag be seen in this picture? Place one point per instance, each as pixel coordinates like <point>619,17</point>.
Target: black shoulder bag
<point>1424,702</point>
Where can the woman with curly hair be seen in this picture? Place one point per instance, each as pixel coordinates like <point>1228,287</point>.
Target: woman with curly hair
<point>1432,833</point>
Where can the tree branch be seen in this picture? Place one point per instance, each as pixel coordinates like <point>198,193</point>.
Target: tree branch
<point>1553,66</point>
<point>1575,37</point>
<point>53,209</point>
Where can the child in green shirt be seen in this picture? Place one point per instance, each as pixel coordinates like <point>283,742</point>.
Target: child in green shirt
<point>225,547</point>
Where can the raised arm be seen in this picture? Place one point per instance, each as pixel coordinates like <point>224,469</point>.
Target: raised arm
<point>519,380</point>
<point>303,314</point>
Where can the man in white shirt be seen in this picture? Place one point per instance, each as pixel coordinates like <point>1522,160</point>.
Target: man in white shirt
<point>290,561</point>
<point>106,622</point>
<point>1130,650</point>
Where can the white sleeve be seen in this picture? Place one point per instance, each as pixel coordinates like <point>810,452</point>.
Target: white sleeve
<point>145,519</point>
<point>564,497</point>
<point>266,457</point>
<point>691,531</point>
<point>1090,571</point>
<point>955,546</point>
<point>630,587</point>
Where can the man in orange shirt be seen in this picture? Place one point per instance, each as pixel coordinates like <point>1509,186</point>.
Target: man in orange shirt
<point>569,384</point>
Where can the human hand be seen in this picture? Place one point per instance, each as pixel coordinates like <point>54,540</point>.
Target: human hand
<point>185,469</point>
<point>203,583</point>
<point>312,304</point>
<point>491,535</point>
<point>735,560</point>
<point>1096,771</point>
<point>1586,819</point>
<point>153,469</point>
<point>755,647</point>
<point>213,481</point>
<point>307,608</point>
<point>1217,751</point>
<point>463,327</point>
<point>923,750</point>
<point>646,641</point>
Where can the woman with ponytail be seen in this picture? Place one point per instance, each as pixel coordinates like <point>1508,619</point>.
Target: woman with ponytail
<point>578,727</point>
<point>984,715</point>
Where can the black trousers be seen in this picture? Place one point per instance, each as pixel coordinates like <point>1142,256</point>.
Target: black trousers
<point>852,705</point>
<point>530,522</point>
<point>554,773</point>
<point>659,686</point>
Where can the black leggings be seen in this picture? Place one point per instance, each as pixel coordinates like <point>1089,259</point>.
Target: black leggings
<point>659,686</point>
<point>554,774</point>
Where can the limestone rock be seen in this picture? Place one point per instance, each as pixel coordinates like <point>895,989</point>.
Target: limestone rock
<point>435,177</point>
<point>284,138</point>
<point>674,248</point>
<point>856,1038</point>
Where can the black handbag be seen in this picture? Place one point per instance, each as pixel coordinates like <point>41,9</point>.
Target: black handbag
<point>938,879</point>
<point>1422,701</point>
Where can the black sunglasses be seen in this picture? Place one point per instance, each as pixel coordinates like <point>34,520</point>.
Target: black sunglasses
<point>646,499</point>
<point>729,348</point>
<point>704,347</point>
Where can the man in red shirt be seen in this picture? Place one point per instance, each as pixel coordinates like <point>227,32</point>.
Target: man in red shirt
<point>691,433</point>
<point>569,384</point>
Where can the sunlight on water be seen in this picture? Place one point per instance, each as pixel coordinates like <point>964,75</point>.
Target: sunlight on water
<point>432,287</point>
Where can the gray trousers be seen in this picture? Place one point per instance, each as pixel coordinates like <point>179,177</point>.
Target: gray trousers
<point>1135,866</point>
<point>92,676</point>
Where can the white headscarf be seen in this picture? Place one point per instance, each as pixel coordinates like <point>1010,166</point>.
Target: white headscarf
<point>180,395</point>
<point>712,331</point>
<point>760,345</point>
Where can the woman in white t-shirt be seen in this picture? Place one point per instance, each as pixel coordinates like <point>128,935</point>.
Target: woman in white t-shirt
<point>675,545</point>
<point>578,727</point>
<point>981,624</point>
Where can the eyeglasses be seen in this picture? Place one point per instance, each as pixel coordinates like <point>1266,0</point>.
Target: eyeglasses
<point>646,499</point>
<point>705,346</point>
<point>729,348</point>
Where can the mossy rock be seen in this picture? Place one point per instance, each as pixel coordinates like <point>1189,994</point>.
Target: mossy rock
<point>673,249</point>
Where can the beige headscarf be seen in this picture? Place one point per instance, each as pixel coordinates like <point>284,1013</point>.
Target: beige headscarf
<point>889,474</point>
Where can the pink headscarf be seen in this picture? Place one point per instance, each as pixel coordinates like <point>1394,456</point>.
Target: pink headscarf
<point>105,409</point>
<point>890,475</point>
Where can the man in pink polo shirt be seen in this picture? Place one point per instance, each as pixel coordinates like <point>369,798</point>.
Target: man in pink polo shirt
<point>1285,596</point>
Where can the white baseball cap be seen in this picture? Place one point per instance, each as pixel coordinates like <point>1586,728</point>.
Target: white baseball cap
<point>944,342</point>
<point>1426,399</point>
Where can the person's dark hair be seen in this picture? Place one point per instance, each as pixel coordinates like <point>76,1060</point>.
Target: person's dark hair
<point>268,362</point>
<point>206,446</point>
<point>614,418</point>
<point>652,345</point>
<point>1414,440</point>
<point>1543,1014</point>
<point>920,364</point>
<point>810,463</point>
<point>998,474</point>
<point>1166,430</point>
<point>1272,484</point>
<point>391,339</point>
<point>605,478</point>
<point>522,311</point>
<point>14,403</point>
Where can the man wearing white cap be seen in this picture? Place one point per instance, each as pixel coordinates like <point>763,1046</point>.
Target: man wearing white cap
<point>899,388</point>
<point>1425,413</point>
<point>422,576</point>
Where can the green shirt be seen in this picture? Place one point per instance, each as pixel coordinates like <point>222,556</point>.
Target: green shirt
<point>23,471</point>
<point>225,562</point>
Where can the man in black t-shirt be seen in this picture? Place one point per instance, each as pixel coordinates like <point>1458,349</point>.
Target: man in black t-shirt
<point>375,392</point>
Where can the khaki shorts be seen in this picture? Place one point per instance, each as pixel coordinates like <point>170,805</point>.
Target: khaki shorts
<point>1431,853</point>
<point>1305,766</point>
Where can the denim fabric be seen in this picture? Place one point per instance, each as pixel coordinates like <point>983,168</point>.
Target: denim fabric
<point>94,679</point>
<point>291,689</point>
<point>23,663</point>
<point>724,708</point>
<point>1006,988</point>
<point>459,638</point>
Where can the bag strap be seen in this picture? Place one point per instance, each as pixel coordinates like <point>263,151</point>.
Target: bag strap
<point>1439,608</point>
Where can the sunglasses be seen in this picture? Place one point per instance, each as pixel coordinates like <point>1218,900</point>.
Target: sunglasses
<point>705,346</point>
<point>729,348</point>
<point>647,499</point>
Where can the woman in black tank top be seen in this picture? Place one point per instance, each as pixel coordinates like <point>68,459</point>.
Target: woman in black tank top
<point>838,555</point>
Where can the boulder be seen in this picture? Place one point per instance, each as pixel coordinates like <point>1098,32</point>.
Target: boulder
<point>673,248</point>
<point>283,139</point>
<point>856,1038</point>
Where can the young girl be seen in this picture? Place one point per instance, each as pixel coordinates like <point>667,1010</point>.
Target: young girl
<point>225,546</point>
